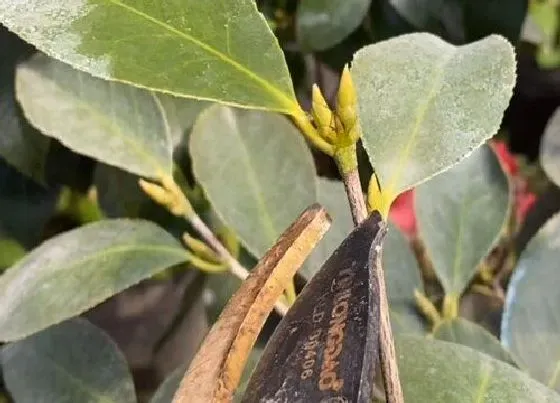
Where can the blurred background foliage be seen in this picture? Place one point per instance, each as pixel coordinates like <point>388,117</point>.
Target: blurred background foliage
<point>159,324</point>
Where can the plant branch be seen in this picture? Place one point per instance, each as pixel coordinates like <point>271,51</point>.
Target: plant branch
<point>355,195</point>
<point>235,267</point>
<point>388,356</point>
<point>171,196</point>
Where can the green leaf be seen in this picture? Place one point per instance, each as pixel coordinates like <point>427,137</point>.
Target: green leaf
<point>166,391</point>
<point>78,269</point>
<point>425,104</point>
<point>465,21</point>
<point>321,24</point>
<point>461,214</point>
<point>332,196</point>
<point>461,331</point>
<point>71,362</point>
<point>256,170</point>
<point>550,148</point>
<point>531,320</point>
<point>10,252</point>
<point>439,372</point>
<point>402,276</point>
<point>221,50</point>
<point>181,114</point>
<point>112,122</point>
<point>441,17</point>
<point>118,192</point>
<point>21,145</point>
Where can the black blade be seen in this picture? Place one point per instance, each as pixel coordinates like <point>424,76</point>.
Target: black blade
<point>325,349</point>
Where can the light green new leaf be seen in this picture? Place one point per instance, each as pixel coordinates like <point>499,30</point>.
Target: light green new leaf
<point>256,170</point>
<point>321,24</point>
<point>402,276</point>
<point>112,122</point>
<point>218,50</point>
<point>424,104</point>
<point>550,148</point>
<point>332,196</point>
<point>461,214</point>
<point>461,331</point>
<point>68,363</point>
<point>77,270</point>
<point>531,321</point>
<point>440,372</point>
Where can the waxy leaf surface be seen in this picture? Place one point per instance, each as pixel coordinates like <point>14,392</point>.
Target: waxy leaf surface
<point>461,214</point>
<point>424,104</point>
<point>77,270</point>
<point>256,170</point>
<point>433,371</point>
<point>219,50</point>
<point>531,320</point>
<point>71,362</point>
<point>116,123</point>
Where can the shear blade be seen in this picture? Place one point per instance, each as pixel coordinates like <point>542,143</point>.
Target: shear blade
<point>325,349</point>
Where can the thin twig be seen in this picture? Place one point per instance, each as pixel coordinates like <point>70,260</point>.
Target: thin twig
<point>235,267</point>
<point>355,196</point>
<point>390,370</point>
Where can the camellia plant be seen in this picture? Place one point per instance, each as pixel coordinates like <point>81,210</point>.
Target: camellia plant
<point>199,156</point>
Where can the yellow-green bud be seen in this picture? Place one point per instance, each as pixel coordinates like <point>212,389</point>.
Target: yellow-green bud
<point>322,114</point>
<point>347,104</point>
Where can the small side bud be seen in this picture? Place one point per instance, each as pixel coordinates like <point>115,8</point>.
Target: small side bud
<point>156,192</point>
<point>347,100</point>
<point>322,114</point>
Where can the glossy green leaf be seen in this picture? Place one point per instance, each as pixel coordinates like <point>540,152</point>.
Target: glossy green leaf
<point>461,331</point>
<point>78,269</point>
<point>321,24</point>
<point>256,170</point>
<point>221,50</point>
<point>434,371</point>
<point>112,122</point>
<point>332,196</point>
<point>425,104</point>
<point>461,214</point>
<point>166,391</point>
<point>21,145</point>
<point>550,148</point>
<point>402,277</point>
<point>531,320</point>
<point>68,363</point>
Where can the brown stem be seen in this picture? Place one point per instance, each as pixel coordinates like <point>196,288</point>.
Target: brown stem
<point>355,196</point>
<point>235,267</point>
<point>390,370</point>
<point>389,367</point>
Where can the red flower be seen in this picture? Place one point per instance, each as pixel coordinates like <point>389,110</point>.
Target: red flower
<point>402,213</point>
